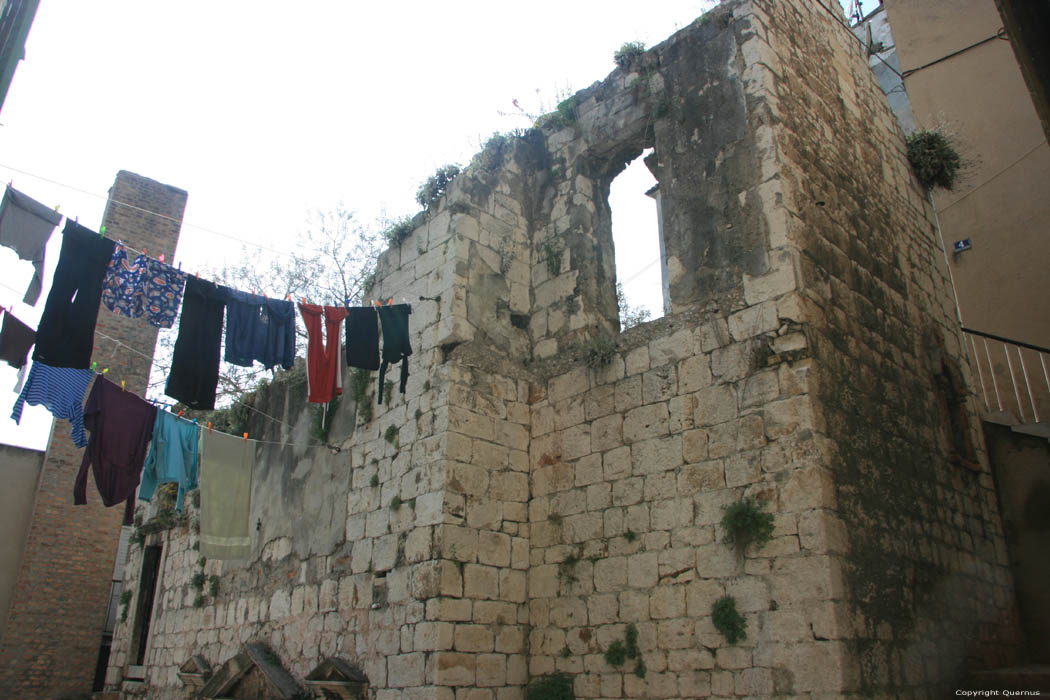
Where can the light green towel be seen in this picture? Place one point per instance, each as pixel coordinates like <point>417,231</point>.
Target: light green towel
<point>226,469</point>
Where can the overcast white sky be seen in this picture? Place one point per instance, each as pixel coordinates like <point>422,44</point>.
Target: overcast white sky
<point>265,111</point>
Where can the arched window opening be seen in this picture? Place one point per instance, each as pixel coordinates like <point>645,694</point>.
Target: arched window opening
<point>641,283</point>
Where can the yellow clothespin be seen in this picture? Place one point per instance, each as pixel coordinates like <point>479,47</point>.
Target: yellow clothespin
<point>122,384</point>
<point>105,370</point>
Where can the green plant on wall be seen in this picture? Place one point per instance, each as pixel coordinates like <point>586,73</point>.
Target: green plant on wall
<point>727,620</point>
<point>435,187</point>
<point>552,256</point>
<point>599,352</point>
<point>360,379</point>
<point>627,648</point>
<point>746,523</point>
<point>934,159</point>
<point>627,52</point>
<point>125,600</point>
<point>395,235</point>
<point>556,686</point>
<point>565,114</point>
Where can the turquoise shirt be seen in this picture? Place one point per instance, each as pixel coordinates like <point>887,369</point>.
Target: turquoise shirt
<point>172,457</point>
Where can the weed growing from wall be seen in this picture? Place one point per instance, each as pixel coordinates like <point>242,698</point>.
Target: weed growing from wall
<point>557,686</point>
<point>934,159</point>
<point>627,52</point>
<point>435,186</point>
<point>396,234</point>
<point>599,352</point>
<point>564,115</point>
<point>125,600</point>
<point>746,523</point>
<point>627,648</point>
<point>552,256</point>
<point>360,379</point>
<point>727,620</point>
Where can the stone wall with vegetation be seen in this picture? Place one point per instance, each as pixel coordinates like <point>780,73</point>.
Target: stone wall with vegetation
<point>775,489</point>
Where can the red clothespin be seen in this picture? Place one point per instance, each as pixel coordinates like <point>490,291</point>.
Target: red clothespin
<point>289,296</point>
<point>180,413</point>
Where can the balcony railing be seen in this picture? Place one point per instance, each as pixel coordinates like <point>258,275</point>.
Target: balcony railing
<point>1013,376</point>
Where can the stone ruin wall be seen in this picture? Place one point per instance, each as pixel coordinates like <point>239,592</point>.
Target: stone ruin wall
<point>811,360</point>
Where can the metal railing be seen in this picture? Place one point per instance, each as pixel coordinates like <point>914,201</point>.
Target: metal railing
<point>1004,363</point>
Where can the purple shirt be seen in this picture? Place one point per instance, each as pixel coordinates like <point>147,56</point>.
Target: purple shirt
<point>121,425</point>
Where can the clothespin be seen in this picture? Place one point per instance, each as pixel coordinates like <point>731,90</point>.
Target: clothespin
<point>180,266</point>
<point>94,366</point>
<point>209,424</point>
<point>76,219</point>
<point>246,437</point>
<point>161,257</point>
<point>390,301</point>
<point>102,231</point>
<point>56,208</point>
<point>304,300</point>
<point>122,384</point>
<point>105,371</point>
<point>145,252</point>
<point>180,413</point>
<point>289,296</point>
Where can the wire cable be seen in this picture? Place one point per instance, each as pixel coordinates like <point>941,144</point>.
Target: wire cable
<point>1027,153</point>
<point>243,241</point>
<point>857,38</point>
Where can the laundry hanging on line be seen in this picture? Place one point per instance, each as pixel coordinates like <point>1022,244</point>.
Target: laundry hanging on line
<point>324,378</point>
<point>396,347</point>
<point>66,333</point>
<point>25,226</point>
<point>227,464</point>
<point>143,286</point>
<point>121,427</point>
<point>194,373</point>
<point>60,390</point>
<point>172,457</point>
<point>259,329</point>
<point>16,338</point>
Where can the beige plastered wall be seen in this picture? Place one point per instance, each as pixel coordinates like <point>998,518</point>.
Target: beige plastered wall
<point>21,469</point>
<point>1000,203</point>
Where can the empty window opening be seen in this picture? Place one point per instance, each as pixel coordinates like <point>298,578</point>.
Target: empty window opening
<point>640,279</point>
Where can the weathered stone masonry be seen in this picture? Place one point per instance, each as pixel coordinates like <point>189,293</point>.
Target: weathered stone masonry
<point>519,506</point>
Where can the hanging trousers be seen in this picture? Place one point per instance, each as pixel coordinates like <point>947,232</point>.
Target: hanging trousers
<point>195,361</point>
<point>66,334</point>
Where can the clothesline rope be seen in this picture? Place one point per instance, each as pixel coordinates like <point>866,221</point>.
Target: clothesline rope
<point>154,213</point>
<point>252,244</point>
<point>164,366</point>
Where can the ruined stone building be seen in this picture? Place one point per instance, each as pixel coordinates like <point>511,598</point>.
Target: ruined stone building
<point>549,489</point>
